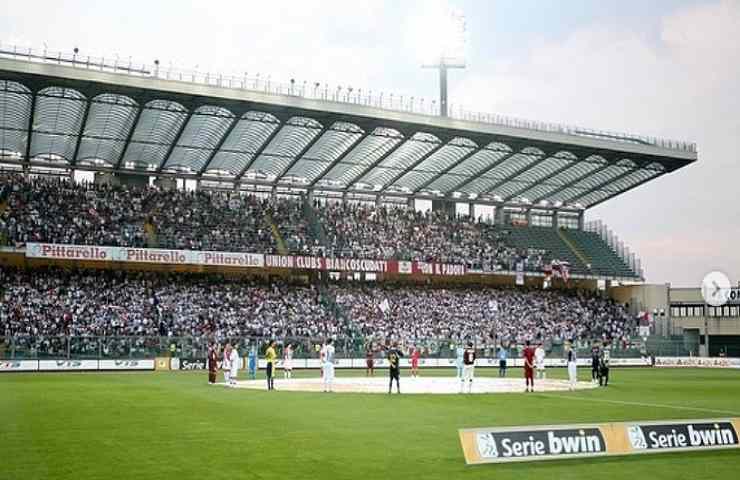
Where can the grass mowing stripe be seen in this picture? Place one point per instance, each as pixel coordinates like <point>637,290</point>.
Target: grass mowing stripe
<point>640,404</point>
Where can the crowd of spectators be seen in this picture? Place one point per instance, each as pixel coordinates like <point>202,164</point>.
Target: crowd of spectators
<point>489,317</point>
<point>56,210</point>
<point>51,303</point>
<point>58,302</point>
<point>364,231</point>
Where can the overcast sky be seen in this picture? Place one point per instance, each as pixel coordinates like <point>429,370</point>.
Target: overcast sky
<point>658,67</point>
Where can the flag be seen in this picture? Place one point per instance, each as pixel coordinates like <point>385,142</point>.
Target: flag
<point>384,306</point>
<point>559,269</point>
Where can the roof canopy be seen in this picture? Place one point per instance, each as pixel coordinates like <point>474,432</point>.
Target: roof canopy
<point>79,118</point>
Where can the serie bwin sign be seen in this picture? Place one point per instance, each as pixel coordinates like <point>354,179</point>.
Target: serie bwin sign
<point>519,445</point>
<point>666,436</point>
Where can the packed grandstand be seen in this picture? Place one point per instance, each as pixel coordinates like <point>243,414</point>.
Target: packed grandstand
<point>39,307</point>
<point>53,210</point>
<point>303,202</point>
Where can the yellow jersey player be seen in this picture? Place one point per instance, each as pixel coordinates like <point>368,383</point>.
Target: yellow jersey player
<point>271,358</point>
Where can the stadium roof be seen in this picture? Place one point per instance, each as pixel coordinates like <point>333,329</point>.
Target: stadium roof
<point>71,113</point>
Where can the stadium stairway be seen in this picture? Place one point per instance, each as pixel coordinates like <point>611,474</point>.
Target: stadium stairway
<point>574,248</point>
<point>150,230</point>
<point>281,248</point>
<point>315,229</point>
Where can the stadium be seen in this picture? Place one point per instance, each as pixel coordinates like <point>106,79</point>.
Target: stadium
<point>213,275</point>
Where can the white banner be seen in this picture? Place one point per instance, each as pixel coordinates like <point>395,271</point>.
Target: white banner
<point>697,362</point>
<point>345,363</point>
<point>67,365</point>
<point>126,365</point>
<point>19,365</point>
<point>143,255</point>
<point>520,272</point>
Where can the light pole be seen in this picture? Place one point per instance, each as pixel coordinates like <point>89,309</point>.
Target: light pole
<point>451,52</point>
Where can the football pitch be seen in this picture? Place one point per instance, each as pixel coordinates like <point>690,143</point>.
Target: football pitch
<point>173,425</point>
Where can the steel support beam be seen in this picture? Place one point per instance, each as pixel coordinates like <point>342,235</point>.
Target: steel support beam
<point>300,154</point>
<point>447,170</point>
<point>377,162</point>
<point>575,181</point>
<point>341,157</point>
<point>222,140</point>
<point>88,104</point>
<point>528,187</point>
<point>129,136</point>
<point>481,172</point>
<point>519,171</point>
<point>30,127</point>
<point>410,168</point>
<point>614,194</point>
<point>175,140</point>
<point>258,152</point>
<point>602,184</point>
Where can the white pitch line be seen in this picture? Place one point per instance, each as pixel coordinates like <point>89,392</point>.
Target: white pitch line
<point>642,404</point>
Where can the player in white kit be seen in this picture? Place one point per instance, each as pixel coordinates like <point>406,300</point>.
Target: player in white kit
<point>327,367</point>
<point>572,372</point>
<point>539,361</point>
<point>288,361</point>
<point>459,352</point>
<point>234,360</point>
<point>226,364</point>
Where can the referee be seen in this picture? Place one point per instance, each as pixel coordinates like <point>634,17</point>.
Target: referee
<point>271,357</point>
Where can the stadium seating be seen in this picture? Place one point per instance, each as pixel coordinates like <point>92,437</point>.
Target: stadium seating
<point>60,211</point>
<point>48,303</point>
<point>602,259</point>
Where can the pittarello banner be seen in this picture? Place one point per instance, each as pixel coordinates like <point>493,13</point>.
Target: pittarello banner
<point>236,259</point>
<point>144,255</point>
<point>523,444</point>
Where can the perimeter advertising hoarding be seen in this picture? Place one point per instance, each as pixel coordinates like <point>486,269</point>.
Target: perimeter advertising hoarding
<point>67,365</point>
<point>126,364</point>
<point>535,443</point>
<point>19,365</point>
<point>697,362</point>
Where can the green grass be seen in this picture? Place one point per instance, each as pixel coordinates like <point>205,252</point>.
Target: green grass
<point>174,426</point>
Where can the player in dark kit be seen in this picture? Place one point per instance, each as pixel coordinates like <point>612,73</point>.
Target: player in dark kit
<point>212,363</point>
<point>394,362</point>
<point>370,361</point>
<point>604,368</point>
<point>528,355</point>
<point>595,362</point>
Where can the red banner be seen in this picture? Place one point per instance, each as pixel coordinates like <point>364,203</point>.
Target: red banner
<point>363,265</point>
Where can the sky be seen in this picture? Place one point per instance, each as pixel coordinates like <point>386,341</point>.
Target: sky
<point>668,68</point>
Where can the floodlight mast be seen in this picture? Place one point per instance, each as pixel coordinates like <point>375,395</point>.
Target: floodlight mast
<point>443,66</point>
<point>451,56</point>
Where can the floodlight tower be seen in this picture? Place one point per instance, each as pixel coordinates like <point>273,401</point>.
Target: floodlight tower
<point>451,51</point>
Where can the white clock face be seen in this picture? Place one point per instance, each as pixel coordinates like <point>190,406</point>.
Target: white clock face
<point>715,288</point>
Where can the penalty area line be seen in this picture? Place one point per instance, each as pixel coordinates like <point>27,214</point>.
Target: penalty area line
<point>641,404</point>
